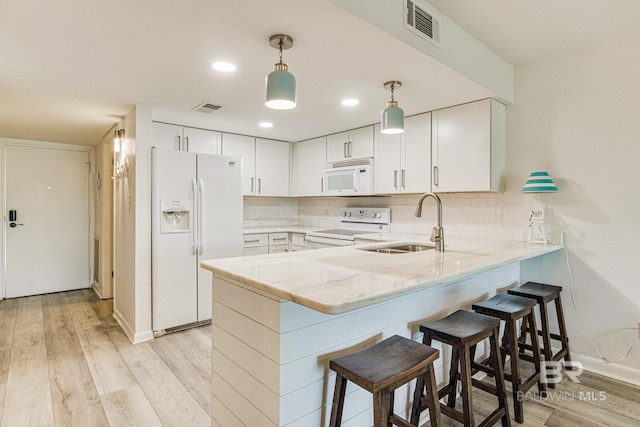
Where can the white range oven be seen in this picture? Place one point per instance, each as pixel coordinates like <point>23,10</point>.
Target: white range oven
<point>352,221</point>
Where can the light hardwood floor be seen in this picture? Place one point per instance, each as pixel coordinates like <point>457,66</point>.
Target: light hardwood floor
<point>64,361</point>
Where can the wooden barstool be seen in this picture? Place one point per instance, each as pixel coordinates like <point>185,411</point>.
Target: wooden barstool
<point>382,369</point>
<point>543,294</point>
<point>463,330</point>
<point>510,309</point>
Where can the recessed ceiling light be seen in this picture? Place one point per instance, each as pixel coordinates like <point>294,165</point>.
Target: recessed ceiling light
<point>350,102</point>
<point>266,124</point>
<point>225,67</point>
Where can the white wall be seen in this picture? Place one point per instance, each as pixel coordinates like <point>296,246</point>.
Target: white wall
<point>103,207</point>
<point>132,218</point>
<point>576,114</point>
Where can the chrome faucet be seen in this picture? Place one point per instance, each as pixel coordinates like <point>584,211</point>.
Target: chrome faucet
<point>437,234</point>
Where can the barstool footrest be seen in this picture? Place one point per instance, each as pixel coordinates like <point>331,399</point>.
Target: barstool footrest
<point>529,382</point>
<point>452,413</point>
<point>484,386</point>
<point>553,336</point>
<point>493,417</point>
<point>445,391</point>
<point>482,367</point>
<point>396,420</point>
<point>559,355</point>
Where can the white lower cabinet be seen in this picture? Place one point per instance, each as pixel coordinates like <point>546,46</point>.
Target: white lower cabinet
<point>298,242</point>
<point>278,242</point>
<point>256,244</point>
<point>265,243</point>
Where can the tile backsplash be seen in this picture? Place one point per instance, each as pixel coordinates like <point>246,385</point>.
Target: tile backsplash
<point>469,213</point>
<point>270,211</point>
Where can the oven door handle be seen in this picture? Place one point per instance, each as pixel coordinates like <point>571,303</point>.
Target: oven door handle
<point>329,241</point>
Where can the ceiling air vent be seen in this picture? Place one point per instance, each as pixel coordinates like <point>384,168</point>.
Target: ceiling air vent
<point>421,22</point>
<point>206,107</point>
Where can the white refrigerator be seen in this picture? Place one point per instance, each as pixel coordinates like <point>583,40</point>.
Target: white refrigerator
<point>196,215</point>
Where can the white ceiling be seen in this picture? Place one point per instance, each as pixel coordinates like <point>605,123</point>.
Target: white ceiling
<point>71,69</point>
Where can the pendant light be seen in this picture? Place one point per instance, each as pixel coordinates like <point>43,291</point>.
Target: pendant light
<point>392,117</point>
<point>280,83</point>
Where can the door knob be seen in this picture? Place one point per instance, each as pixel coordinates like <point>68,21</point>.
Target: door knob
<point>14,225</point>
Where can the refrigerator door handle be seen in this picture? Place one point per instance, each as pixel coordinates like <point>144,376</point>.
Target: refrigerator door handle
<point>192,232</point>
<point>200,203</point>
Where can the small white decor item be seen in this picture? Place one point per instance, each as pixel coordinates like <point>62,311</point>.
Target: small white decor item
<point>536,225</point>
<point>538,182</point>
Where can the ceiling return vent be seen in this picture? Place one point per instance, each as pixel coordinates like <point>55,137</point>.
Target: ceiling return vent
<point>421,22</point>
<point>206,107</point>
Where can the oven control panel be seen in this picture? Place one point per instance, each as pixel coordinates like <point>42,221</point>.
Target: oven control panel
<point>366,215</point>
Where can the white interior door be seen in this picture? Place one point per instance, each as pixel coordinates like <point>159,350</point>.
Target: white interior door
<point>48,248</point>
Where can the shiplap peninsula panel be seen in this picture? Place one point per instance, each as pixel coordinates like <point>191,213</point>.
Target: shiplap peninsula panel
<point>270,356</point>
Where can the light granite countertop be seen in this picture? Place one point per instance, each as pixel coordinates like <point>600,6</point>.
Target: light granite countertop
<point>337,280</point>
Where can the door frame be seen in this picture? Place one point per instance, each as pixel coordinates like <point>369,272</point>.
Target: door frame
<point>6,142</point>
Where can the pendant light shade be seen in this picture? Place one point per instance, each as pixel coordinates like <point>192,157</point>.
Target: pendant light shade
<point>392,119</point>
<point>280,83</point>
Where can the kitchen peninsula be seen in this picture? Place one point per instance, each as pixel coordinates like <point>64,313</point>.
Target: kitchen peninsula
<point>278,319</point>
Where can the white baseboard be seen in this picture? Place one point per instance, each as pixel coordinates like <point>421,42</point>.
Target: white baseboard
<point>134,337</point>
<point>611,370</point>
<point>97,289</point>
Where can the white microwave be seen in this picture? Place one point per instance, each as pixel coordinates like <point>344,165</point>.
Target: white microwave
<point>348,178</point>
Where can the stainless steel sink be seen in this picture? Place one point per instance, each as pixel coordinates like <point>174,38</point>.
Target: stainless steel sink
<point>399,249</point>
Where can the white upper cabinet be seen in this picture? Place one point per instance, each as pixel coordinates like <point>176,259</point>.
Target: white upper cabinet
<point>265,166</point>
<point>245,146</point>
<point>402,162</point>
<point>166,136</point>
<point>468,147</point>
<point>353,144</point>
<point>202,141</point>
<point>307,167</point>
<point>174,137</point>
<point>387,164</point>
<point>416,154</point>
<point>272,167</point>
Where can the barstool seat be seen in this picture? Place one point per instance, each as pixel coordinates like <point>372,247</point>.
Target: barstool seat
<point>510,309</point>
<point>544,294</point>
<point>380,370</point>
<point>463,330</point>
